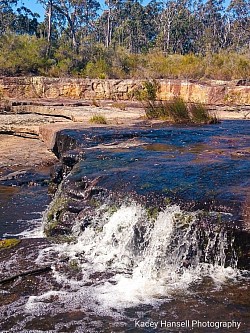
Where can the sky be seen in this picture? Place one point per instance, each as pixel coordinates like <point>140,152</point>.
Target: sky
<point>38,8</point>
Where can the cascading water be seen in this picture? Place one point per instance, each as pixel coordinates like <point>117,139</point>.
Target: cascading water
<point>125,258</point>
<point>150,231</point>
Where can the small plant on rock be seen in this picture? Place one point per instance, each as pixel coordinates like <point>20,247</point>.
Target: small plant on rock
<point>200,114</point>
<point>9,243</point>
<point>98,119</point>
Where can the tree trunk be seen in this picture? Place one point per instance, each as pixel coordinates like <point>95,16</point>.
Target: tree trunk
<point>109,26</point>
<point>49,27</point>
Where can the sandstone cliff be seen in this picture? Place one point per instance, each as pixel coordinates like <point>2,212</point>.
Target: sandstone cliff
<point>212,92</point>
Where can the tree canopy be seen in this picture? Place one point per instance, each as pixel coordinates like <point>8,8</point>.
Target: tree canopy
<point>77,36</point>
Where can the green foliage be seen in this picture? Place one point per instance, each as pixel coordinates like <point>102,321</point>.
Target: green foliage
<point>21,54</point>
<point>112,209</point>
<point>98,119</point>
<point>57,206</point>
<point>218,66</point>
<point>74,265</point>
<point>180,39</point>
<point>97,70</point>
<point>175,27</point>
<point>25,54</point>
<point>183,219</point>
<point>152,213</point>
<point>175,110</point>
<point>200,114</point>
<point>148,92</point>
<point>227,66</point>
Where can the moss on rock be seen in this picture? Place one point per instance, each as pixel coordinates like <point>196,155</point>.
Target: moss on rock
<point>9,243</point>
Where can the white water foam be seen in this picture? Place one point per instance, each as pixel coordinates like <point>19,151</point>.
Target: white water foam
<point>127,258</point>
<point>35,229</point>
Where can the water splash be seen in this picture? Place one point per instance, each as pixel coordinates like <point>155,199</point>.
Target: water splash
<point>33,230</point>
<point>126,258</point>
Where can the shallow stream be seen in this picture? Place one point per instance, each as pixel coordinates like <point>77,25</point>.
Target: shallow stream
<point>168,255</point>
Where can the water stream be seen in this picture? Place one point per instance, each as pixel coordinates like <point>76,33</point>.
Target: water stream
<point>161,248</point>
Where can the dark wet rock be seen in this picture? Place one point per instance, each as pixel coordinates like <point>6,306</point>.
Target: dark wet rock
<point>63,167</point>
<point>71,157</point>
<point>25,178</point>
<point>80,204</point>
<point>242,247</point>
<point>71,199</point>
<point>63,143</point>
<point>27,251</point>
<point>243,82</point>
<point>56,175</point>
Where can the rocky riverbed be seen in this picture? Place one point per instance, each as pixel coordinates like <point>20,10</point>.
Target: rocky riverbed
<point>111,197</point>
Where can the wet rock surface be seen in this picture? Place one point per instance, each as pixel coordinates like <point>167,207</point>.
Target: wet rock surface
<point>148,166</point>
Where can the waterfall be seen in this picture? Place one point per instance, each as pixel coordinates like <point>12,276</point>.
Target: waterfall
<point>128,257</point>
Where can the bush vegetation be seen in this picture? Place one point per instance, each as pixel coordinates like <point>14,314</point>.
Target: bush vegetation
<point>186,39</point>
<point>24,54</point>
<point>175,110</point>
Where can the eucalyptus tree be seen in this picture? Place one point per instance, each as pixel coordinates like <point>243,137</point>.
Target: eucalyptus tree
<point>74,16</point>
<point>7,15</point>
<point>131,32</point>
<point>112,19</point>
<point>166,18</point>
<point>20,20</point>
<point>212,16</point>
<point>175,28</point>
<point>239,11</point>
<point>25,21</point>
<point>153,11</point>
<point>122,23</point>
<point>48,4</point>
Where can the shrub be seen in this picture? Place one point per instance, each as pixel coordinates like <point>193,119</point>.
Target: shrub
<point>175,110</point>
<point>98,119</point>
<point>199,113</point>
<point>21,54</point>
<point>97,70</point>
<point>227,66</point>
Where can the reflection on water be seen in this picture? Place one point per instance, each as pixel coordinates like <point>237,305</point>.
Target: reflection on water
<point>7,192</point>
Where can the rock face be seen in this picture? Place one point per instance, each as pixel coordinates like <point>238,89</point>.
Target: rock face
<point>212,92</point>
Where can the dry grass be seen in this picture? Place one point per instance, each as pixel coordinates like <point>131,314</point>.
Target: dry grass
<point>98,119</point>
